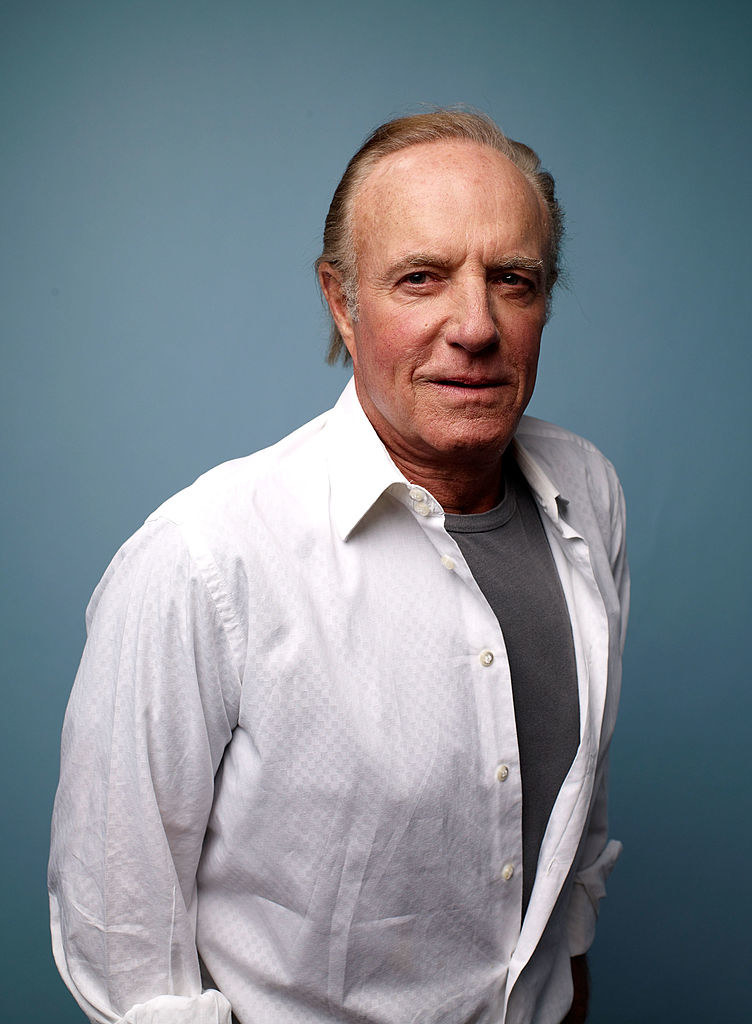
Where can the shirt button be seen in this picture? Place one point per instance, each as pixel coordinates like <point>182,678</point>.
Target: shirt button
<point>417,494</point>
<point>486,658</point>
<point>447,562</point>
<point>422,508</point>
<point>507,871</point>
<point>502,773</point>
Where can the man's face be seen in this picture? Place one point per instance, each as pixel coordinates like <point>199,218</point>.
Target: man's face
<point>450,241</point>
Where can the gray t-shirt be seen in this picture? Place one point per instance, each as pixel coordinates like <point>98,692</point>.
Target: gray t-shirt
<point>509,556</point>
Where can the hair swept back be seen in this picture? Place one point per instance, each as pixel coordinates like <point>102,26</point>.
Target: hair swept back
<point>436,126</point>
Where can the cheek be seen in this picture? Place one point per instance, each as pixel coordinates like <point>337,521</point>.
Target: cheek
<point>531,350</point>
<point>399,346</point>
<point>523,340</point>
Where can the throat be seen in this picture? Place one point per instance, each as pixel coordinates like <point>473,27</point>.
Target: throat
<point>462,491</point>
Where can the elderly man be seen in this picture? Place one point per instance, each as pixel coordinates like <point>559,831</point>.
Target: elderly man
<point>337,747</point>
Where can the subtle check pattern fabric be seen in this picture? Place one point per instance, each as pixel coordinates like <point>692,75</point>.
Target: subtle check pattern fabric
<point>281,751</point>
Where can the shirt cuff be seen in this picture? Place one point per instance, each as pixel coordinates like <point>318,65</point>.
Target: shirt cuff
<point>210,1007</point>
<point>589,889</point>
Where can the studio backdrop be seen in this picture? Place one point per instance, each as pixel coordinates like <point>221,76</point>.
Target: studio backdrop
<point>166,171</point>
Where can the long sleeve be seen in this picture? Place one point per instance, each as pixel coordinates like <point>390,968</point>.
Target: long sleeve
<point>599,854</point>
<point>151,711</point>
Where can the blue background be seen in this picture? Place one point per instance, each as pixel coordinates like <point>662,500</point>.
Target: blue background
<point>165,174</point>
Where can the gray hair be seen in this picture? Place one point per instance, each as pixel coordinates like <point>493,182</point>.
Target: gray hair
<point>438,126</point>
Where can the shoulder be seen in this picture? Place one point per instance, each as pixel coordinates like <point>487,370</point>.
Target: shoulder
<point>569,460</point>
<point>229,492</point>
<point>226,528</point>
<point>557,442</point>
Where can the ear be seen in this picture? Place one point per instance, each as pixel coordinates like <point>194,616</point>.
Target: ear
<point>332,286</point>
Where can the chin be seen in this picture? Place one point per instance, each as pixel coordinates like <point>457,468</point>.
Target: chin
<point>484,436</point>
<point>476,444</point>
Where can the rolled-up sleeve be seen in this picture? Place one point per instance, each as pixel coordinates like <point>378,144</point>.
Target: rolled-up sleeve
<point>589,889</point>
<point>151,712</point>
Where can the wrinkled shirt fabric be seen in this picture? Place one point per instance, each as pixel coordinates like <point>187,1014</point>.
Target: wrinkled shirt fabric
<point>289,761</point>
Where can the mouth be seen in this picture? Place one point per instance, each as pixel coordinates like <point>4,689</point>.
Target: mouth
<point>467,384</point>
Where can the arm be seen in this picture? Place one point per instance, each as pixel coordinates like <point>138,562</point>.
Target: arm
<point>598,854</point>
<point>152,709</point>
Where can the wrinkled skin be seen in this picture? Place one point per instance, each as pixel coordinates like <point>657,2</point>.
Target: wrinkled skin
<point>451,242</point>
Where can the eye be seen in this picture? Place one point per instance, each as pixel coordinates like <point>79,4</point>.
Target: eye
<point>511,278</point>
<point>417,277</point>
<point>516,284</point>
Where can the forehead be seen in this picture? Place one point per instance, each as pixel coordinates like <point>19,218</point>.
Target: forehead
<point>455,194</point>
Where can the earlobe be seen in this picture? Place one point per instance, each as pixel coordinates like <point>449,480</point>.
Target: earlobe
<point>332,287</point>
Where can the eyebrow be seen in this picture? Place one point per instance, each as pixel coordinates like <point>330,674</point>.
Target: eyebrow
<point>418,259</point>
<point>521,263</point>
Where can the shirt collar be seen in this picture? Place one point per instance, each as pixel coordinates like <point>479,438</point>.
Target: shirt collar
<point>361,469</point>
<point>548,495</point>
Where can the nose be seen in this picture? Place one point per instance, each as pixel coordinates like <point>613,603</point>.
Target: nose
<point>472,325</point>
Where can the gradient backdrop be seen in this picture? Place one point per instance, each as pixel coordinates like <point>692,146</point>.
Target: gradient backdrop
<point>166,168</point>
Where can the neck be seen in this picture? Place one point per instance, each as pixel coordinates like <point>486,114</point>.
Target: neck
<point>460,489</point>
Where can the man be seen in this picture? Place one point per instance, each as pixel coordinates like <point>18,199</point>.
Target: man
<point>337,746</point>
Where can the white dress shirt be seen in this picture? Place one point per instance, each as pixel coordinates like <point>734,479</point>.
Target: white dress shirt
<point>291,746</point>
